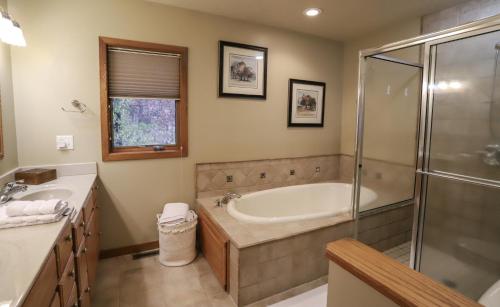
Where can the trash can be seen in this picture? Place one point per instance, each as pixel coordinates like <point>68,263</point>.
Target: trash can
<point>177,242</point>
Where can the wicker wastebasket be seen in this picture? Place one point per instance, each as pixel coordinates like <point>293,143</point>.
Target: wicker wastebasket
<point>177,243</point>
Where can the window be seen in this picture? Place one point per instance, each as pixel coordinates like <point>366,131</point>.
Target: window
<point>143,100</point>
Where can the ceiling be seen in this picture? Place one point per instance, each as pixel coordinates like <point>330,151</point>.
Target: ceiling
<point>340,20</point>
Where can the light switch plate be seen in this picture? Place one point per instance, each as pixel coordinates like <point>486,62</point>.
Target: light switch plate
<point>64,142</point>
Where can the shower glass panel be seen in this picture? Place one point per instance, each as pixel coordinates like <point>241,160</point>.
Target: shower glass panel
<point>466,112</point>
<point>461,238</point>
<point>392,100</point>
<point>460,226</point>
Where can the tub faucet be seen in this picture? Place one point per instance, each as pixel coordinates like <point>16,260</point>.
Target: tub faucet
<point>226,198</point>
<point>11,188</point>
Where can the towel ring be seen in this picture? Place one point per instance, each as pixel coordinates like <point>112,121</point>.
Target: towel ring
<point>80,106</point>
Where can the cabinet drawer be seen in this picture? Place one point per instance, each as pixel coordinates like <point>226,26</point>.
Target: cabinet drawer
<point>45,285</point>
<point>56,301</point>
<point>81,270</point>
<point>64,248</point>
<point>73,298</point>
<point>67,281</point>
<point>78,231</point>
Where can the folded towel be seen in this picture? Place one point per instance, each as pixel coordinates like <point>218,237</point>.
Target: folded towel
<point>174,213</point>
<point>37,207</point>
<point>27,220</point>
<point>190,216</point>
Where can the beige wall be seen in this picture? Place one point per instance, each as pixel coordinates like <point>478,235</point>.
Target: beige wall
<point>9,160</point>
<point>394,33</point>
<point>61,64</point>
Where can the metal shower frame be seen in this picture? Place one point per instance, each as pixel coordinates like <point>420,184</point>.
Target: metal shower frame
<point>422,171</point>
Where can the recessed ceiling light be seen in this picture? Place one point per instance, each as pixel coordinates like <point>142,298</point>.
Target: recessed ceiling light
<point>313,11</point>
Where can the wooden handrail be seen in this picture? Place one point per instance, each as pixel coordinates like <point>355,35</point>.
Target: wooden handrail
<point>397,282</point>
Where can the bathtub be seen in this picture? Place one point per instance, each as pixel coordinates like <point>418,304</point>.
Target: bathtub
<point>296,203</point>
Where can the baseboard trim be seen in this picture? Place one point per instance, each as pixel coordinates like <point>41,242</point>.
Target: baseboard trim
<point>125,250</point>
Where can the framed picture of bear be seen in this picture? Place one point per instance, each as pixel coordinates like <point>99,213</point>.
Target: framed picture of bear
<point>306,103</point>
<point>242,70</point>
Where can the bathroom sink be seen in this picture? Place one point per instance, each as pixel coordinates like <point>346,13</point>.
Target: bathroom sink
<point>55,193</point>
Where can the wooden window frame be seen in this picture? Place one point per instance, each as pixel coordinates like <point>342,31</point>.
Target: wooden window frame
<point>109,153</point>
<point>2,152</point>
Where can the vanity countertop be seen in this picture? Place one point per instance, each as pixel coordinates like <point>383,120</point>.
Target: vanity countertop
<point>23,250</point>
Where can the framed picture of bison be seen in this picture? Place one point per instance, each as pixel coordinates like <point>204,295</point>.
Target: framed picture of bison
<point>306,103</point>
<point>242,70</point>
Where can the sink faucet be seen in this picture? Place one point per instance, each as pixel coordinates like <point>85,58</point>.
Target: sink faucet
<point>492,155</point>
<point>11,188</point>
<point>226,198</point>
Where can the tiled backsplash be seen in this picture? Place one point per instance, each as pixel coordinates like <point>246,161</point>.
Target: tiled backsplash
<point>393,182</point>
<point>217,178</point>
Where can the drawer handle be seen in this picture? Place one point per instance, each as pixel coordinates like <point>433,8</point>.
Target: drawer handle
<point>68,238</point>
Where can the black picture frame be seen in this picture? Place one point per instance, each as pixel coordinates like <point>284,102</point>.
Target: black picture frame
<point>221,92</point>
<point>291,84</point>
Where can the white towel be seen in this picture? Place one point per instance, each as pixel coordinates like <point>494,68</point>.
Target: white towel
<point>37,207</point>
<point>27,220</point>
<point>190,216</point>
<point>174,213</point>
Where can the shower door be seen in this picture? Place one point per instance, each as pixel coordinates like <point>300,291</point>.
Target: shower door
<point>458,185</point>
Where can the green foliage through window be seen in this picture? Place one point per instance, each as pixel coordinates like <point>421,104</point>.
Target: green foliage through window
<point>143,122</point>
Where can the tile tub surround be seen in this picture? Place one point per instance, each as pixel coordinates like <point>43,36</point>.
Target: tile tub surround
<point>387,229</point>
<point>243,234</point>
<point>264,258</point>
<point>264,270</point>
<point>246,176</point>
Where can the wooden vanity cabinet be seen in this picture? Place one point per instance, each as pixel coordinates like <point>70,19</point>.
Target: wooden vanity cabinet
<point>86,247</point>
<point>54,283</point>
<point>67,276</point>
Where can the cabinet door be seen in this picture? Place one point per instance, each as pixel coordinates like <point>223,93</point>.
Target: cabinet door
<point>214,247</point>
<point>81,270</point>
<point>92,244</point>
<point>42,292</point>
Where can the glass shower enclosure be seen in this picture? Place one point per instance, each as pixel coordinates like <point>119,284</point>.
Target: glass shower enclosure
<point>456,228</point>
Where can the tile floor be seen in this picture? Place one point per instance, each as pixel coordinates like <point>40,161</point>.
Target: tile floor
<point>401,253</point>
<point>124,282</point>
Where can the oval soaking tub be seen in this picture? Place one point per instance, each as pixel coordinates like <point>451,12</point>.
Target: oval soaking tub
<point>295,203</point>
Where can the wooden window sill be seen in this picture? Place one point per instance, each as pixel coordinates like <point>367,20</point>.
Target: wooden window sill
<point>392,279</point>
<point>146,154</point>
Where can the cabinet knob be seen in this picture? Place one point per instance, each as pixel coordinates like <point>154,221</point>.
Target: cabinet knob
<point>84,250</point>
<point>88,234</point>
<point>82,224</point>
<point>75,304</point>
<point>87,290</point>
<point>68,238</point>
<point>72,274</point>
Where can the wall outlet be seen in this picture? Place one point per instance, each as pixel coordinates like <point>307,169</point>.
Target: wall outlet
<point>229,178</point>
<point>318,169</point>
<point>64,142</point>
<point>262,175</point>
<point>292,172</point>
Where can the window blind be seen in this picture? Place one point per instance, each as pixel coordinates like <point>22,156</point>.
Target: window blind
<point>137,73</point>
